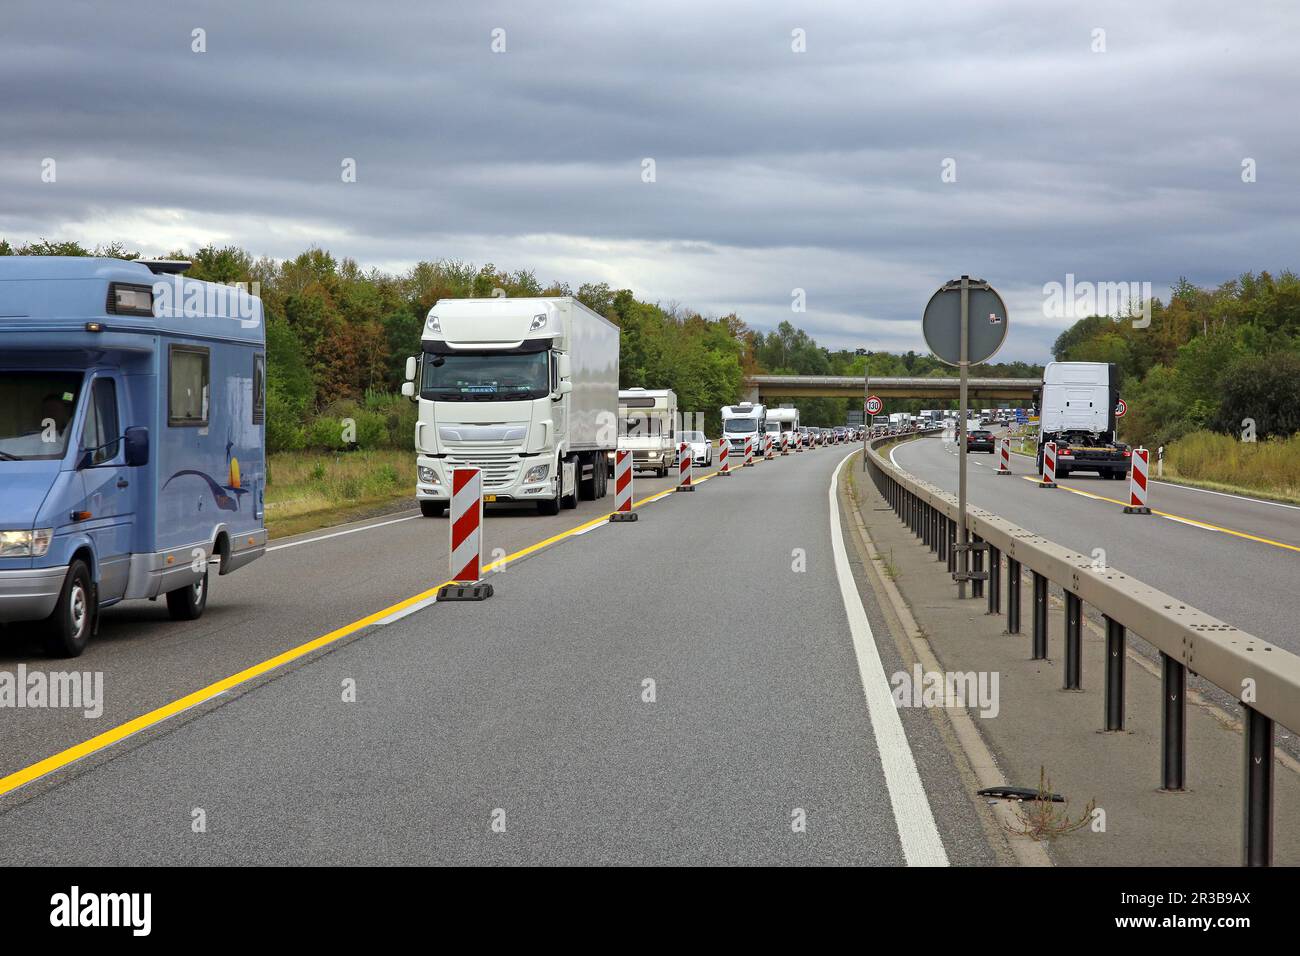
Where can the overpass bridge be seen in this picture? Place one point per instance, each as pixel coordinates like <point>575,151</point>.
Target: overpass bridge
<point>758,388</point>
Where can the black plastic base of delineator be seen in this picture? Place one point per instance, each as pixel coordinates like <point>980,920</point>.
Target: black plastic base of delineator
<point>724,474</point>
<point>1047,484</point>
<point>1002,474</point>
<point>623,516</point>
<point>477,591</point>
<point>685,487</point>
<point>1138,510</point>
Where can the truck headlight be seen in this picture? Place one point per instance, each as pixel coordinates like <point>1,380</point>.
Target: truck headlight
<point>536,473</point>
<point>427,475</point>
<point>25,544</point>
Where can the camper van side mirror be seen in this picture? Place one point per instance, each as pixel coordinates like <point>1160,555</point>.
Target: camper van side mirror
<point>410,368</point>
<point>136,445</point>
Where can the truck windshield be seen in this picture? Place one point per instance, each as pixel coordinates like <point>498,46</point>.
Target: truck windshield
<point>36,410</point>
<point>485,377</point>
<point>740,426</point>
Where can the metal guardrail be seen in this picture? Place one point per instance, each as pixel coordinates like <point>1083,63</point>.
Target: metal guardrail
<point>1264,679</point>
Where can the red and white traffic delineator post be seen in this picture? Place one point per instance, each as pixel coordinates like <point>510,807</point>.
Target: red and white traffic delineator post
<point>768,453</point>
<point>1004,457</point>
<point>1137,486</point>
<point>724,466</point>
<point>798,442</point>
<point>684,465</point>
<point>1049,466</point>
<point>623,487</point>
<point>749,452</point>
<point>466,524</point>
<point>785,443</point>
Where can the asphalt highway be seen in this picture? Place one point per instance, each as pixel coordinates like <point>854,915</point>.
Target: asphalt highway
<point>693,687</point>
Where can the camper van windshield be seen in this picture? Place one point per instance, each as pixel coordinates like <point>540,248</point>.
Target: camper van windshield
<point>36,410</point>
<point>739,426</point>
<point>485,377</point>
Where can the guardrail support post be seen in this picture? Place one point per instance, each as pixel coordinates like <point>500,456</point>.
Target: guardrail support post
<point>941,536</point>
<point>1173,725</point>
<point>952,546</point>
<point>976,564</point>
<point>934,529</point>
<point>1073,642</point>
<point>925,524</point>
<point>1115,654</point>
<point>1013,596</point>
<point>1257,824</point>
<point>995,580</point>
<point>1040,617</point>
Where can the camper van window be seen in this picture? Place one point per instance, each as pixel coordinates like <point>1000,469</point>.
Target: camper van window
<point>36,409</point>
<point>100,435</point>
<point>259,388</point>
<point>187,403</point>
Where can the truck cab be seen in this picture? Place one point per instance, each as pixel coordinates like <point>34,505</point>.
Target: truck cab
<point>1077,411</point>
<point>132,406</point>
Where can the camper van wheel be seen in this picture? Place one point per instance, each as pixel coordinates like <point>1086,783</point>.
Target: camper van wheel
<point>187,603</point>
<point>68,628</point>
<point>433,509</point>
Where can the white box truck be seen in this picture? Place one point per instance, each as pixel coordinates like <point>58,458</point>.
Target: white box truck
<point>1078,403</point>
<point>524,389</point>
<point>648,427</point>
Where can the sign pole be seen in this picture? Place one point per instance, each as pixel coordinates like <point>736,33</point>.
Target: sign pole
<point>866,416</point>
<point>963,556</point>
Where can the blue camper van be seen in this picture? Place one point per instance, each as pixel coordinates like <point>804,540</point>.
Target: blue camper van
<point>132,454</point>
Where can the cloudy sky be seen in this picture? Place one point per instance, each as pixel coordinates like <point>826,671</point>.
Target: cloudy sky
<point>1114,156</point>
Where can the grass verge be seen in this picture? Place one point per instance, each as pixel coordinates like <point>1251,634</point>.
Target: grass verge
<point>307,490</point>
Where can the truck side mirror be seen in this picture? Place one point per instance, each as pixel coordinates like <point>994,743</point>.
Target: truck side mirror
<point>411,368</point>
<point>136,445</point>
<point>563,388</point>
<point>565,366</point>
<point>408,389</point>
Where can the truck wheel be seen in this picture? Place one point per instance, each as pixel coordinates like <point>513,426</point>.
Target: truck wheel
<point>433,509</point>
<point>68,627</point>
<point>570,501</point>
<point>589,488</point>
<point>187,603</point>
<point>551,507</point>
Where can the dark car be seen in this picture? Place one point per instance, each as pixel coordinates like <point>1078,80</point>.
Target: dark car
<point>980,439</point>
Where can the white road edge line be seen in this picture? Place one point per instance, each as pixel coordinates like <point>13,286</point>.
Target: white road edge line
<point>337,534</point>
<point>913,817</point>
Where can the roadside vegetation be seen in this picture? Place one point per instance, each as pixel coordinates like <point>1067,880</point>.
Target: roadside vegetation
<point>1214,378</point>
<point>306,490</point>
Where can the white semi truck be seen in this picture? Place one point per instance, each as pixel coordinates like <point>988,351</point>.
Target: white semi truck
<point>748,419</point>
<point>525,390</point>
<point>649,427</point>
<point>1077,407</point>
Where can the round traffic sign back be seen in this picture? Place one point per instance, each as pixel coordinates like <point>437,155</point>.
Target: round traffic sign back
<point>941,323</point>
<point>874,405</point>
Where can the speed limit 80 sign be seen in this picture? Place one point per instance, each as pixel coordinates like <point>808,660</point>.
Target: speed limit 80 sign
<point>874,405</point>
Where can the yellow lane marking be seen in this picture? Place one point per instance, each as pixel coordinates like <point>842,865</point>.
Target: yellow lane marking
<point>109,737</point>
<point>1179,518</point>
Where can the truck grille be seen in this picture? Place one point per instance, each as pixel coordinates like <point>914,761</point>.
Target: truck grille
<point>498,470</point>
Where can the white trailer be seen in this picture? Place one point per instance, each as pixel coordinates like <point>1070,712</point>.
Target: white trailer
<point>648,427</point>
<point>1078,403</point>
<point>524,389</point>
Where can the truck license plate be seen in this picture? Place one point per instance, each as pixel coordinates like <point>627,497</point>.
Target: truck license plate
<point>489,498</point>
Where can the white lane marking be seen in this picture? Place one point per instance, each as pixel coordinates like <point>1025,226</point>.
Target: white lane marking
<point>336,534</point>
<point>406,611</point>
<point>917,832</point>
